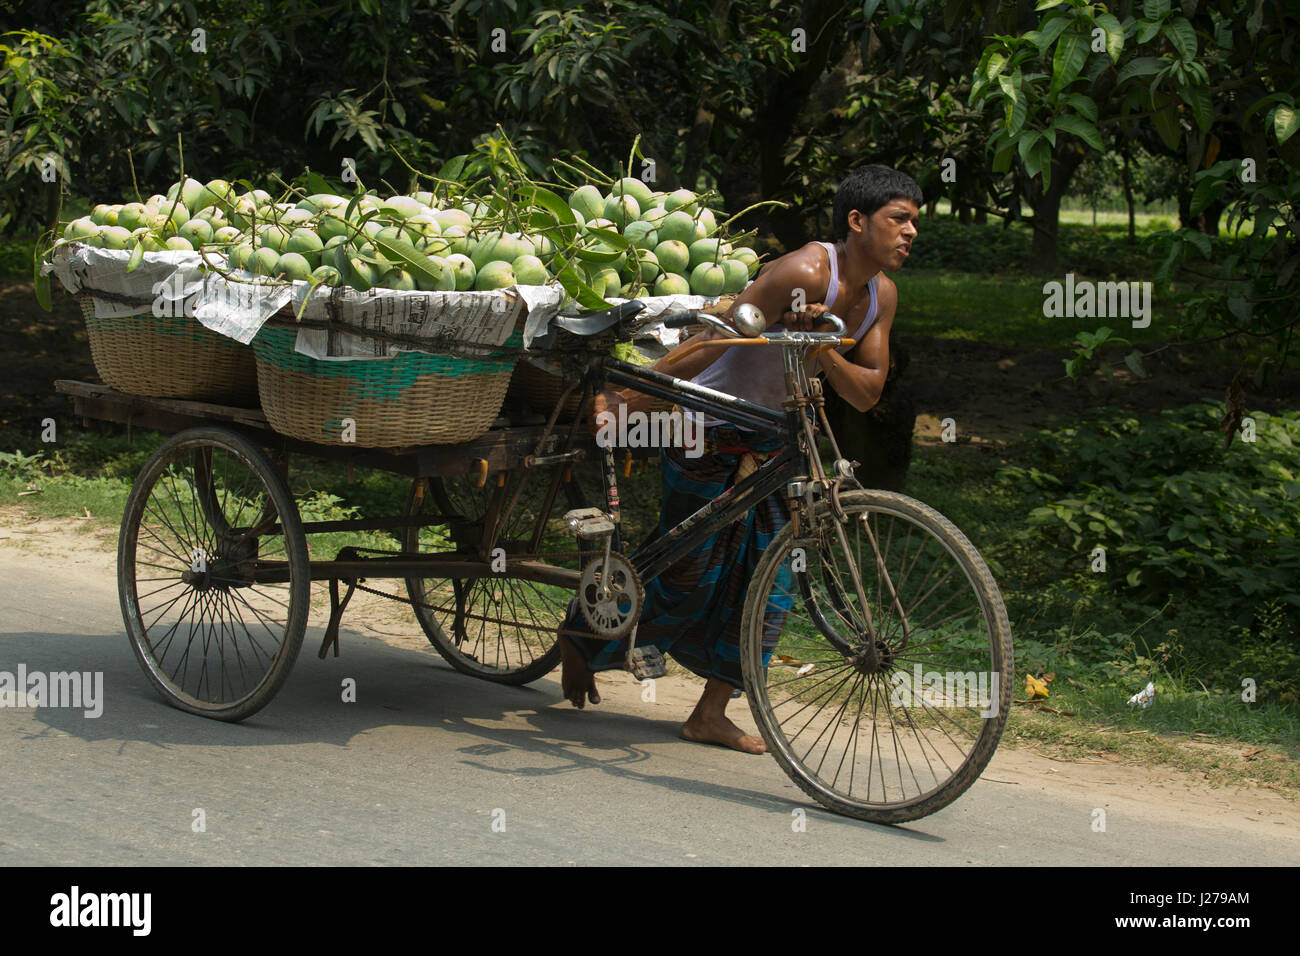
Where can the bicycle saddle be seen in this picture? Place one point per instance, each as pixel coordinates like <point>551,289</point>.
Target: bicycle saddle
<point>593,323</point>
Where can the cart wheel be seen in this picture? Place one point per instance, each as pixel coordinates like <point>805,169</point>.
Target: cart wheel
<point>497,628</point>
<point>902,733</point>
<point>212,574</point>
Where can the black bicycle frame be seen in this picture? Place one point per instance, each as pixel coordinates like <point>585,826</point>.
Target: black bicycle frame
<point>659,554</point>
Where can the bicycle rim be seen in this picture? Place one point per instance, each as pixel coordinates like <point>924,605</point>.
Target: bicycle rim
<point>899,735</point>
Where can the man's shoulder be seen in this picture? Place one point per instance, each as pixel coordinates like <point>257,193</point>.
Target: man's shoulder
<point>886,292</point>
<point>810,254</point>
<point>806,266</point>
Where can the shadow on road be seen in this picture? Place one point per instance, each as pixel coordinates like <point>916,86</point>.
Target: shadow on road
<point>517,731</point>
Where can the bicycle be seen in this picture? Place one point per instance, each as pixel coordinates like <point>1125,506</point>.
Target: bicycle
<point>847,608</point>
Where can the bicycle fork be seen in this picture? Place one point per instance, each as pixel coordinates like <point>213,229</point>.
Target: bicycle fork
<point>808,392</point>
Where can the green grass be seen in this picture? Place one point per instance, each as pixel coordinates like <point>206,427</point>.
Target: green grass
<point>1003,309</point>
<point>16,258</point>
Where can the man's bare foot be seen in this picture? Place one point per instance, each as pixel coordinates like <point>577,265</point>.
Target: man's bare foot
<point>720,730</point>
<point>576,679</point>
<point>709,723</point>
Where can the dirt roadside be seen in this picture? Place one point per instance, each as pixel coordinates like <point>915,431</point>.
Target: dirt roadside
<point>82,550</point>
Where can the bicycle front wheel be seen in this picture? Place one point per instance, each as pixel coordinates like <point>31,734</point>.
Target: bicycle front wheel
<point>882,693</point>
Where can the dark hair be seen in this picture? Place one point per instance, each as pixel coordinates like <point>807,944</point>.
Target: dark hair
<point>866,189</point>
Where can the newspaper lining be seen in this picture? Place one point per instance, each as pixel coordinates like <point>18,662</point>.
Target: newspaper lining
<point>177,282</point>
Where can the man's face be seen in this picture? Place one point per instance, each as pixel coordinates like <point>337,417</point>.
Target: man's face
<point>888,233</point>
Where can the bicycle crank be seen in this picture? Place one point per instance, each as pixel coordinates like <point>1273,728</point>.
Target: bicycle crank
<point>610,595</point>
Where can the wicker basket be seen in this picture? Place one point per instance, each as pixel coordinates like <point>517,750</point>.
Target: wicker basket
<point>169,357</point>
<point>412,398</point>
<point>542,389</point>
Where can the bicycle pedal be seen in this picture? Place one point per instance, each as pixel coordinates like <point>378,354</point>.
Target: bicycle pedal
<point>648,662</point>
<point>589,523</point>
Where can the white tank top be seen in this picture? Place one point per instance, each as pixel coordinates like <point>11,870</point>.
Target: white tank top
<point>758,374</point>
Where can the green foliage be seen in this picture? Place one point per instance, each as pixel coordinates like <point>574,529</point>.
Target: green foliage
<point>945,243</point>
<point>1175,513</point>
<point>1194,79</point>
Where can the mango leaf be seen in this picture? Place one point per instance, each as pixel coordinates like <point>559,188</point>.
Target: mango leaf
<point>1182,37</point>
<point>1083,105</point>
<point>1114,34</point>
<point>1198,239</point>
<point>609,237</point>
<point>1026,143</point>
<point>1139,66</point>
<point>137,256</point>
<point>314,183</point>
<point>1052,29</point>
<point>1206,192</point>
<point>1285,122</point>
<point>1165,119</point>
<point>416,262</point>
<point>1071,51</point>
<point>43,289</point>
<point>549,201</point>
<point>994,66</point>
<point>1165,268</point>
<point>1081,128</point>
<point>1047,4</point>
<point>454,168</point>
<point>1263,101</point>
<point>1039,160</point>
<point>1155,9</point>
<point>1198,98</point>
<point>576,286</point>
<point>1134,362</point>
<point>1015,107</point>
<point>1002,159</point>
<point>1256,19</point>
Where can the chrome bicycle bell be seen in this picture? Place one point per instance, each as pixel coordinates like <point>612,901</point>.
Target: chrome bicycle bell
<point>749,320</point>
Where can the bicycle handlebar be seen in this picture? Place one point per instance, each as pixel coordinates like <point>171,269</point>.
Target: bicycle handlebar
<point>679,320</point>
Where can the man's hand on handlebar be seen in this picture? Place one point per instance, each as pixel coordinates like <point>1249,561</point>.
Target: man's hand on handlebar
<point>806,320</point>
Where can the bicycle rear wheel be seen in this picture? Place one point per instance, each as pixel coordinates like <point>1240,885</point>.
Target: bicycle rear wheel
<point>898,734</point>
<point>496,627</point>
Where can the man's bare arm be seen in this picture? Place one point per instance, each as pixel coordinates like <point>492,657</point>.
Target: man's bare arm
<point>772,292</point>
<point>861,381</point>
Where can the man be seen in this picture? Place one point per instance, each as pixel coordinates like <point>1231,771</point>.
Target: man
<point>692,610</point>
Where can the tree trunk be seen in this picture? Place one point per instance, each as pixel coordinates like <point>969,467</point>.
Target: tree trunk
<point>697,141</point>
<point>1047,213</point>
<point>784,105</point>
<point>1128,200</point>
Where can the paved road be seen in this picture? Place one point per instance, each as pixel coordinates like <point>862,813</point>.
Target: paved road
<point>423,764</point>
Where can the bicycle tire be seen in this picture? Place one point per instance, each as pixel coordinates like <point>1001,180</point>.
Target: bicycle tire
<point>166,534</point>
<point>768,695</point>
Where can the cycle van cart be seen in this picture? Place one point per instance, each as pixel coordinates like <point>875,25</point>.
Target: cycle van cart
<point>876,649</point>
